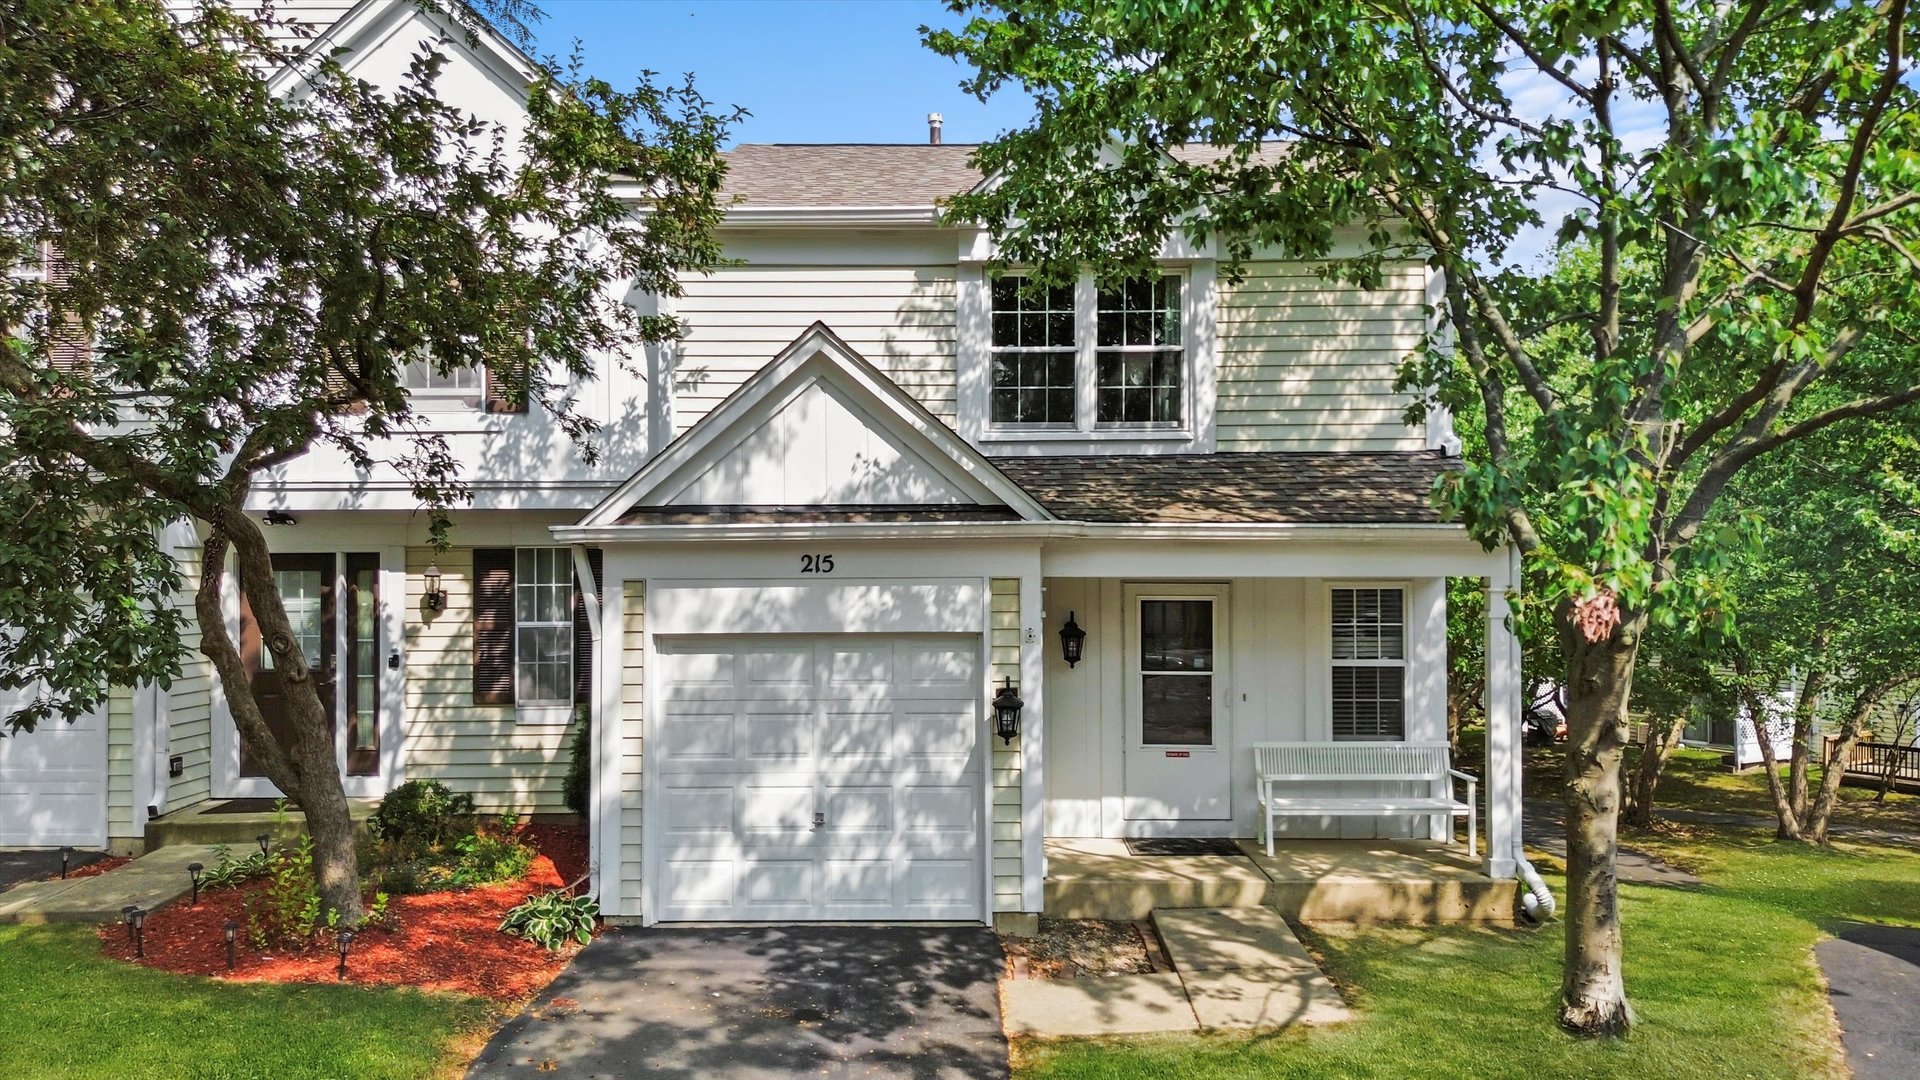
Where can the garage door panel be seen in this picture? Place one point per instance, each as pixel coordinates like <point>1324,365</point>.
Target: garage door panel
<point>691,671</point>
<point>878,736</point>
<point>53,781</point>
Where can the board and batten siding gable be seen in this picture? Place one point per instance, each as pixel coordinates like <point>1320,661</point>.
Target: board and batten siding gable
<point>1306,363</point>
<point>1003,659</point>
<point>478,749</point>
<point>633,712</point>
<point>900,318</point>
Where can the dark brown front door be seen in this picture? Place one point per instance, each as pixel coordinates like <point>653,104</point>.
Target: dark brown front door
<point>306,585</point>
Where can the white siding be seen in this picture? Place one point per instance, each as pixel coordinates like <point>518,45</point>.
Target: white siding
<point>632,731</point>
<point>190,700</point>
<point>1309,364</point>
<point>1003,659</point>
<point>901,318</point>
<point>478,749</point>
<point>121,820</point>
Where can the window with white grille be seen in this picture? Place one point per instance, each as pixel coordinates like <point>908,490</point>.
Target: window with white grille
<point>1369,687</point>
<point>543,626</point>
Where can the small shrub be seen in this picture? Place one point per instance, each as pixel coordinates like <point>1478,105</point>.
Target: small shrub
<point>421,814</point>
<point>552,919</point>
<point>577,787</point>
<point>228,872</point>
<point>492,854</point>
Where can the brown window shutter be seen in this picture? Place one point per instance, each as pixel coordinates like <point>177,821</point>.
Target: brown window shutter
<point>498,400</point>
<point>583,633</point>
<point>493,626</point>
<point>68,349</point>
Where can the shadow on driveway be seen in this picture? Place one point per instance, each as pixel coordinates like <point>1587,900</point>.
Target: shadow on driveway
<point>21,865</point>
<point>895,1001</point>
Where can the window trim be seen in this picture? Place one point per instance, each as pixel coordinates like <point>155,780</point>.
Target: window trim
<point>1196,434</point>
<point>538,709</point>
<point>1403,664</point>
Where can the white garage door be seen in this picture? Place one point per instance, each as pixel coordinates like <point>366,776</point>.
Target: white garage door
<point>53,783</point>
<point>828,778</point>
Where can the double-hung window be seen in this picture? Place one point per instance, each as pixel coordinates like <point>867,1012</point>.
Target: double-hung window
<point>531,646</point>
<point>461,387</point>
<point>543,626</point>
<point>1369,663</point>
<point>1088,357</point>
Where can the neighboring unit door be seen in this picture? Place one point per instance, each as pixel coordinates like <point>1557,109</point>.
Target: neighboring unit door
<point>1178,761</point>
<point>831,777</point>
<point>306,583</point>
<point>53,782</point>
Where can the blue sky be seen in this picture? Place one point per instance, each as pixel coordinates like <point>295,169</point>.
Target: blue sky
<point>808,71</point>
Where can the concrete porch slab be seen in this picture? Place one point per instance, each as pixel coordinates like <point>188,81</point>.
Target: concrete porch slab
<point>205,823</point>
<point>1263,999</point>
<point>148,882</point>
<point>1114,1005</point>
<point>1098,879</point>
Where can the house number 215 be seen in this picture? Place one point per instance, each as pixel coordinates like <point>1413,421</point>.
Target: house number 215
<point>816,564</point>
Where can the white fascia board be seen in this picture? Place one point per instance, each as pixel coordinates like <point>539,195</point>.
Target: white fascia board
<point>361,27</point>
<point>761,532</point>
<point>977,247</point>
<point>694,444</point>
<point>820,216</point>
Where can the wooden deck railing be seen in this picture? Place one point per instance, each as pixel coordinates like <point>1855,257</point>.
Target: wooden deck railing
<point>1870,759</point>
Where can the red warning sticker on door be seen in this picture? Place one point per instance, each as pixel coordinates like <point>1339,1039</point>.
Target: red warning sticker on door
<point>1179,753</point>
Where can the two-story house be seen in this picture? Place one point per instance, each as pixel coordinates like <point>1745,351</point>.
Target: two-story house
<point>876,494</point>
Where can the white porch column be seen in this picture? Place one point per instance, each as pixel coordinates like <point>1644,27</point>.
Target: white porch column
<point>1503,706</point>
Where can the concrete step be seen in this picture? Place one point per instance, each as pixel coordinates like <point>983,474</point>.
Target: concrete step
<point>1243,968</point>
<point>200,824</point>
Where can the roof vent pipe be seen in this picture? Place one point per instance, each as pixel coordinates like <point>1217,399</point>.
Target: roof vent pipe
<point>933,129</point>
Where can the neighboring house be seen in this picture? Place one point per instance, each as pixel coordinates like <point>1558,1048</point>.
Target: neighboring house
<point>861,498</point>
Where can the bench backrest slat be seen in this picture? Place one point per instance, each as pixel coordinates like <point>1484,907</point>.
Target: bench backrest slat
<point>1351,760</point>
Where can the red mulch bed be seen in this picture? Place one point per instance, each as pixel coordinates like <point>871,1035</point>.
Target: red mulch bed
<point>95,869</point>
<point>448,941</point>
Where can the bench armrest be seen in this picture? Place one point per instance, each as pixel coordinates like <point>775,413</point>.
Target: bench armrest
<point>1458,775</point>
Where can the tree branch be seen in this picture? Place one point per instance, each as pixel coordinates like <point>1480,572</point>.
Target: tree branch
<point>1525,45</point>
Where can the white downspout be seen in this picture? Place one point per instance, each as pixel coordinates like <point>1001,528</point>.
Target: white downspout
<point>1537,901</point>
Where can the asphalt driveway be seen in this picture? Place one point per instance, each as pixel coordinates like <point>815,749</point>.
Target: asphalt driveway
<point>1873,978</point>
<point>21,865</point>
<point>735,1003</point>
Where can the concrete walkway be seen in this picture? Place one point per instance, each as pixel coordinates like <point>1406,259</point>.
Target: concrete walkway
<point>148,882</point>
<point>1873,980</point>
<point>1234,968</point>
<point>1544,825</point>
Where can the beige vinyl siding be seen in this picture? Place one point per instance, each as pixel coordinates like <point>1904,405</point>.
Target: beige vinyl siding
<point>633,650</point>
<point>478,749</point>
<point>189,702</point>
<point>121,820</point>
<point>1309,364</point>
<point>901,318</point>
<point>1003,645</point>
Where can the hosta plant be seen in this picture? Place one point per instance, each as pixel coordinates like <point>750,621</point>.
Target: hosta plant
<point>553,918</point>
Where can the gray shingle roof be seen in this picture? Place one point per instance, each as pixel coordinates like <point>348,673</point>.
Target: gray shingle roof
<point>871,174</point>
<point>1345,488</point>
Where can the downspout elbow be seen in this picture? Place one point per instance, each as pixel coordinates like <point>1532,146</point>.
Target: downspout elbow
<point>1536,902</point>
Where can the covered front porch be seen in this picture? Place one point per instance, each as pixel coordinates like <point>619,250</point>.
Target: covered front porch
<point>1358,881</point>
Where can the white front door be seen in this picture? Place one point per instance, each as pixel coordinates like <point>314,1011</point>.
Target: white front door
<point>1178,767</point>
<point>53,782</point>
<point>833,777</point>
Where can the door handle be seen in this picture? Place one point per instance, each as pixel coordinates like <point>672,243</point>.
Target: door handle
<point>819,819</point>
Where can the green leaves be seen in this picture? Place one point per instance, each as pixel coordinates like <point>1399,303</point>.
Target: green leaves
<point>552,919</point>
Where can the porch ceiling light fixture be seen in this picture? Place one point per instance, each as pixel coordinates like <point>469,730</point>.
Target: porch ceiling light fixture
<point>1006,712</point>
<point>436,597</point>
<point>280,517</point>
<point>1073,641</point>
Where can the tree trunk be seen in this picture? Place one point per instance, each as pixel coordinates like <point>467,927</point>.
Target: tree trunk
<point>1656,749</point>
<point>1804,711</point>
<point>1789,821</point>
<point>1593,998</point>
<point>306,771</point>
<point>1822,809</point>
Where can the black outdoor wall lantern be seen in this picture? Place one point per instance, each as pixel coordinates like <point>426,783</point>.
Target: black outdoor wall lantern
<point>436,597</point>
<point>1006,712</point>
<point>1073,641</point>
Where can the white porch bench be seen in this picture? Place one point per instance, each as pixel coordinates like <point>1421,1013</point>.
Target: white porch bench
<point>1278,765</point>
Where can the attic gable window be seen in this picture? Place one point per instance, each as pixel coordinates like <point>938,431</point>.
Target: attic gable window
<point>1088,358</point>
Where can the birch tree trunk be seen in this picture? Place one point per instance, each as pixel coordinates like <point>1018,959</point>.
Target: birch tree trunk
<point>1656,749</point>
<point>1593,998</point>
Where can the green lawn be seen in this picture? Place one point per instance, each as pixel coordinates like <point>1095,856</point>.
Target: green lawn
<point>1722,979</point>
<point>1698,780</point>
<point>66,1011</point>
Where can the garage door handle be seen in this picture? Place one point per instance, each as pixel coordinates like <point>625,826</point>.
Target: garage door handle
<point>819,820</point>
